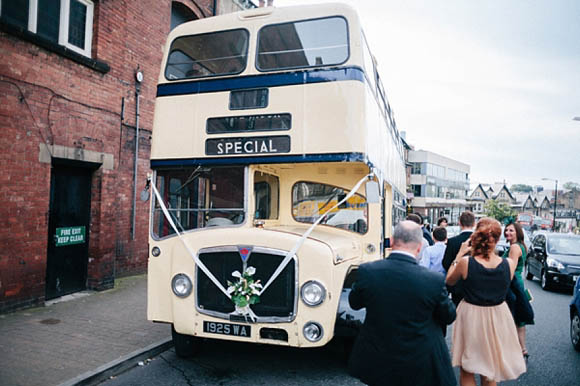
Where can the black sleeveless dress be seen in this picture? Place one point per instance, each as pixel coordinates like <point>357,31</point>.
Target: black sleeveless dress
<point>485,339</point>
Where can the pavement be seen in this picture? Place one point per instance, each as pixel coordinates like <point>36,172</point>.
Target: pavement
<point>80,339</point>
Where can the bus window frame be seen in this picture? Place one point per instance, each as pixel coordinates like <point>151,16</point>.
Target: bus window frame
<point>248,43</point>
<point>339,197</point>
<point>153,207</point>
<point>257,51</point>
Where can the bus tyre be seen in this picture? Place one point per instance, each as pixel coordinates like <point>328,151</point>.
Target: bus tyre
<point>185,346</point>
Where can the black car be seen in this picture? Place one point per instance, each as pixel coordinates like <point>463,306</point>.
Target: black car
<point>575,317</point>
<point>555,259</point>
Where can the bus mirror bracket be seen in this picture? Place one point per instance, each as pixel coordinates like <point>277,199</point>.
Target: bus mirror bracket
<point>372,189</point>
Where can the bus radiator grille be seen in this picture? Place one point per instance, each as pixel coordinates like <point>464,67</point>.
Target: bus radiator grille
<point>277,301</point>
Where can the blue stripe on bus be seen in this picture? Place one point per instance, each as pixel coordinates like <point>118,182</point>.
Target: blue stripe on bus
<point>265,80</point>
<point>334,157</point>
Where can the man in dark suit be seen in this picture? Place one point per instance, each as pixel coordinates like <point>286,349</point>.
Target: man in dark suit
<point>401,342</point>
<point>466,224</point>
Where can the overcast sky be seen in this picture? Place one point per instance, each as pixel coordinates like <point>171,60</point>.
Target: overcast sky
<point>490,83</point>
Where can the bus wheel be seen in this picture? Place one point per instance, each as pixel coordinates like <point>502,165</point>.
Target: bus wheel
<point>185,345</point>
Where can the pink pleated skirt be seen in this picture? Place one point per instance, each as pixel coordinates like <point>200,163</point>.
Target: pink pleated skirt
<point>485,342</point>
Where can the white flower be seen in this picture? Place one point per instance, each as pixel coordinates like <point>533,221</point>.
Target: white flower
<point>250,271</point>
<point>236,274</point>
<point>230,289</point>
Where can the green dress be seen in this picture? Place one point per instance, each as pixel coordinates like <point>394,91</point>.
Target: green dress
<point>520,266</point>
<point>518,274</point>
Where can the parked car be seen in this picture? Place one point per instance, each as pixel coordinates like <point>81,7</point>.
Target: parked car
<point>575,317</point>
<point>555,259</point>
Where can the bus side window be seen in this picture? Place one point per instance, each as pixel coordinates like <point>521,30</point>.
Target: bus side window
<point>266,196</point>
<point>262,194</point>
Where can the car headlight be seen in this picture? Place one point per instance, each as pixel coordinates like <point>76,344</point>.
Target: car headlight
<point>312,293</point>
<point>553,263</point>
<point>313,331</point>
<point>181,285</point>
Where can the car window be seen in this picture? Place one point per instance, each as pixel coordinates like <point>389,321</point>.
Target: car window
<point>564,245</point>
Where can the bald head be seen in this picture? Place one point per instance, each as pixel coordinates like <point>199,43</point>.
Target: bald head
<point>408,237</point>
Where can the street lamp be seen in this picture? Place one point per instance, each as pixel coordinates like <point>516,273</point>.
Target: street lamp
<point>555,197</point>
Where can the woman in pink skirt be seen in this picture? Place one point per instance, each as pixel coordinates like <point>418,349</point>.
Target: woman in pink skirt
<point>485,340</point>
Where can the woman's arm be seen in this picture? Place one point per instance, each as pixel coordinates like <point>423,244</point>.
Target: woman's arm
<point>457,270</point>
<point>515,252</point>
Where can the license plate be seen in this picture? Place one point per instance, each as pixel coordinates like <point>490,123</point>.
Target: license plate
<point>227,329</point>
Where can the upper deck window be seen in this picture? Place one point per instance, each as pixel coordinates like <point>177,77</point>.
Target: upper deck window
<point>306,43</point>
<point>210,54</point>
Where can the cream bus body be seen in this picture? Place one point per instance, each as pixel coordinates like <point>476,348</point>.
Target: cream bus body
<point>341,130</point>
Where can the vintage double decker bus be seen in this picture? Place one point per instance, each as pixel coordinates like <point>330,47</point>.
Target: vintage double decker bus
<point>277,170</point>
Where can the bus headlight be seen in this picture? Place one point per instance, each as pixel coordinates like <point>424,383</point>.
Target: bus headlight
<point>313,331</point>
<point>312,293</point>
<point>181,285</point>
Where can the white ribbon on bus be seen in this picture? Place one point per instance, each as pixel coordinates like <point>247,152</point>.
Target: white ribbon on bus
<point>284,262</point>
<point>194,255</point>
<point>299,243</point>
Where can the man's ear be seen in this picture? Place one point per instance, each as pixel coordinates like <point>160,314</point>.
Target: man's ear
<point>418,249</point>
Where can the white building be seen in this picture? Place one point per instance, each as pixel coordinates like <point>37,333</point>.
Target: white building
<point>439,186</point>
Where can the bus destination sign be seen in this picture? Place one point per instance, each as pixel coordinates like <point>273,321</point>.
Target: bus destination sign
<point>248,145</point>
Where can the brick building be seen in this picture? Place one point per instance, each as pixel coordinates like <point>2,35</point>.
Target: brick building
<point>68,118</point>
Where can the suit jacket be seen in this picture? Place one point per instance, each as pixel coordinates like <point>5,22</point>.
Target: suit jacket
<point>453,245</point>
<point>401,342</point>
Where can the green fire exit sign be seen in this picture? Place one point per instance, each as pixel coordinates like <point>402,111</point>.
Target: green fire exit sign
<point>69,236</point>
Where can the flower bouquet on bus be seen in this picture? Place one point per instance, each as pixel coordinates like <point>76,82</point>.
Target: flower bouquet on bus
<point>245,292</point>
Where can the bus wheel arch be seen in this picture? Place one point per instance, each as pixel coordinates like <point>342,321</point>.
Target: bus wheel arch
<point>186,346</point>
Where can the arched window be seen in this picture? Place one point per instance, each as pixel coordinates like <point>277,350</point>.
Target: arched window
<point>180,14</point>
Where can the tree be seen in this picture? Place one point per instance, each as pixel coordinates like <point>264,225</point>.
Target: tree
<point>500,211</point>
<point>522,188</point>
<point>572,185</point>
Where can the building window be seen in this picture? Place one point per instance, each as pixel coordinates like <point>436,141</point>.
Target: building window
<point>68,23</point>
<point>477,194</point>
<point>416,190</point>
<point>180,14</point>
<point>416,168</point>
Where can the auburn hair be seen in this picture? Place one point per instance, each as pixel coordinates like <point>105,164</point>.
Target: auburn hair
<point>486,235</point>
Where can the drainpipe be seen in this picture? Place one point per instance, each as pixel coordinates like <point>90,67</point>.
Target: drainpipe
<point>138,80</point>
<point>214,7</point>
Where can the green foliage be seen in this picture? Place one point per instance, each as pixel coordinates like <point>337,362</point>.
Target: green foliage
<point>572,185</point>
<point>522,188</point>
<point>500,211</point>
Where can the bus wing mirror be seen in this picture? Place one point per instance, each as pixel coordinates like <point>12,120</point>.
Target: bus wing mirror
<point>373,196</point>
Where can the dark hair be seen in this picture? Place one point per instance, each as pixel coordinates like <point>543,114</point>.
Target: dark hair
<point>420,217</point>
<point>441,219</point>
<point>467,219</point>
<point>485,237</point>
<point>519,234</point>
<point>415,218</point>
<point>440,234</point>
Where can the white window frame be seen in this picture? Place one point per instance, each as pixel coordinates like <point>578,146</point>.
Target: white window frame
<point>64,24</point>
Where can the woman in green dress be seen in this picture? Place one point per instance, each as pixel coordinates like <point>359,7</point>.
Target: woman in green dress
<point>514,234</point>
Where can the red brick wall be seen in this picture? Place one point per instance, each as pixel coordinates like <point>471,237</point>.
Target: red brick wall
<point>48,98</point>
